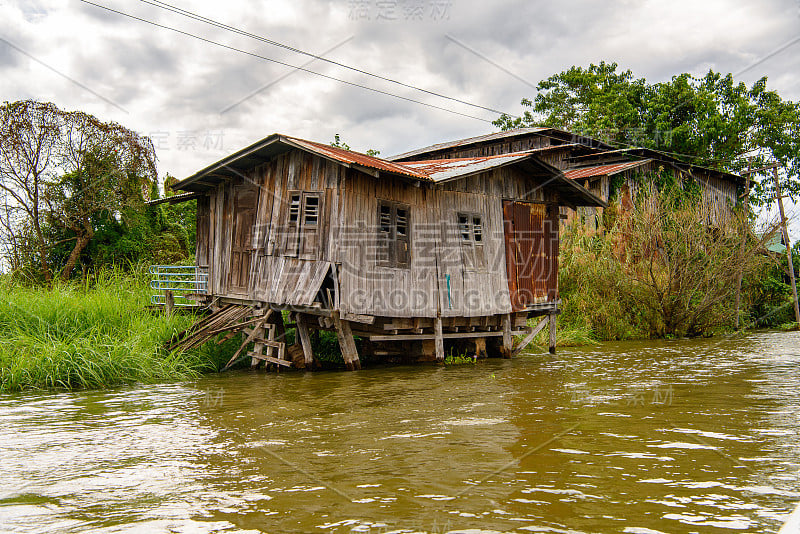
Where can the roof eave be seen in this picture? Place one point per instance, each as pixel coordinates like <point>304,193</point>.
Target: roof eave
<point>582,196</point>
<point>212,174</point>
<point>225,163</point>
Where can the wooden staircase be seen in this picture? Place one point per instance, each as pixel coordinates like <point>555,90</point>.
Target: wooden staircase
<point>263,328</point>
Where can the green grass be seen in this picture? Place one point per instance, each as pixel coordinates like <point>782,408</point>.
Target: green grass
<point>80,336</point>
<point>568,335</point>
<point>458,359</point>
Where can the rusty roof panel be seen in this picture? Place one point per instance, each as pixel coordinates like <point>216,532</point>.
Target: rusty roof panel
<point>603,170</point>
<point>440,170</point>
<point>356,158</point>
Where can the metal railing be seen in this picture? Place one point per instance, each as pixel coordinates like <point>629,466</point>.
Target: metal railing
<point>184,281</point>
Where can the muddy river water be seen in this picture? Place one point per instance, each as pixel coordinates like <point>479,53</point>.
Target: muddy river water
<point>633,437</point>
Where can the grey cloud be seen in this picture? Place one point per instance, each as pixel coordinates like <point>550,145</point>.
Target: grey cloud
<point>169,80</point>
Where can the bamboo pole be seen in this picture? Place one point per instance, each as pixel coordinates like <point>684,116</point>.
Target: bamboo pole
<point>788,244</point>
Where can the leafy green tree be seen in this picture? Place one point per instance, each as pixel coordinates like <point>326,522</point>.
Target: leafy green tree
<point>98,190</point>
<point>710,120</point>
<point>72,192</point>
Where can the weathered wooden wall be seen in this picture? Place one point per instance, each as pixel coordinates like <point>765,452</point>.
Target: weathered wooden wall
<point>438,279</point>
<point>719,196</point>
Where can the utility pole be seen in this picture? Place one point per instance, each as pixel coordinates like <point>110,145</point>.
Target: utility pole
<point>788,243</point>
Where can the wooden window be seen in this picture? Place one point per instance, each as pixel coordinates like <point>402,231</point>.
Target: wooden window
<point>311,209</point>
<point>394,234</point>
<point>301,236</point>
<point>470,229</point>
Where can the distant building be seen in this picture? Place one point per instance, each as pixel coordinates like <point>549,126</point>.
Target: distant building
<point>613,175</point>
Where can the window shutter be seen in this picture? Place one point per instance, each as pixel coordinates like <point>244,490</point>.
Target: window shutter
<point>384,233</point>
<point>465,235</point>
<point>309,235</point>
<point>292,227</point>
<point>471,234</point>
<point>402,241</point>
<point>477,236</point>
<point>394,234</point>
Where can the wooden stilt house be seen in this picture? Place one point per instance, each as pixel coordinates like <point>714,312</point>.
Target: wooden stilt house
<point>415,258</point>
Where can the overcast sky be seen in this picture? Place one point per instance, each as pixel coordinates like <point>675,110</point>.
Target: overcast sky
<point>189,95</point>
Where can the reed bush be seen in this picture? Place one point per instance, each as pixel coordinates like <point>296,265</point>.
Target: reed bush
<point>660,271</point>
<point>90,335</point>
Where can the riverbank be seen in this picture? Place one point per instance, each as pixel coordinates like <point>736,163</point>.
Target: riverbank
<point>98,335</point>
<point>78,337</point>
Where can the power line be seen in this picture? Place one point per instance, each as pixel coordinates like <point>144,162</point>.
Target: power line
<point>212,22</point>
<point>206,20</point>
<point>253,54</point>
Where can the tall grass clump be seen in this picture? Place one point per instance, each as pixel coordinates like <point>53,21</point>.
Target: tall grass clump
<point>661,270</point>
<point>90,335</point>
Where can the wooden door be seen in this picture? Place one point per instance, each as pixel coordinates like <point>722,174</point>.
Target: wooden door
<point>245,198</point>
<point>531,243</point>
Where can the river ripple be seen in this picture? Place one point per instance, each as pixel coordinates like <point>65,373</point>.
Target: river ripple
<point>636,437</point>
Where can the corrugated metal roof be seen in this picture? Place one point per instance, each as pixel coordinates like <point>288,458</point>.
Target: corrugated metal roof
<point>667,158</point>
<point>356,158</point>
<point>775,243</point>
<point>469,141</point>
<point>276,144</point>
<point>603,170</point>
<point>428,171</point>
<point>440,170</point>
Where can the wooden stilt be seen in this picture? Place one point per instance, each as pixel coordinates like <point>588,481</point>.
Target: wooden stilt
<point>280,328</point>
<point>255,355</point>
<point>480,347</point>
<point>553,333</point>
<point>346,342</point>
<point>437,325</point>
<point>524,343</point>
<point>508,340</point>
<point>305,341</point>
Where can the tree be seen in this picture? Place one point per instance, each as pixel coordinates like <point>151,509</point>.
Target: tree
<point>65,169</point>
<point>30,136</point>
<point>681,271</point>
<point>338,143</point>
<point>711,120</point>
